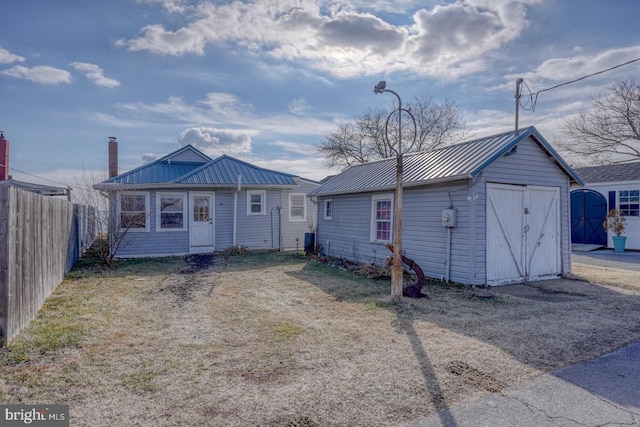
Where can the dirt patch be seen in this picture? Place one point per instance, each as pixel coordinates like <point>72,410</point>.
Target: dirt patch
<point>273,340</point>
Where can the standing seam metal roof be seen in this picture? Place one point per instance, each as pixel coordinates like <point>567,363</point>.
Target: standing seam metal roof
<point>222,171</point>
<point>459,161</point>
<point>225,171</point>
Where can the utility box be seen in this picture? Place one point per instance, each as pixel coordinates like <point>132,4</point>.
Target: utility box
<point>449,218</point>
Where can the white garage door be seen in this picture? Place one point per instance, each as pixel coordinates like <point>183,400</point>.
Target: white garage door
<point>523,233</point>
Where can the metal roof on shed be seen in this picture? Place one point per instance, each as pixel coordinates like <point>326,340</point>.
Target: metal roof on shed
<point>610,173</point>
<point>454,162</point>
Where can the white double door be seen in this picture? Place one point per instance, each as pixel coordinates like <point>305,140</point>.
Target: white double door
<point>523,233</point>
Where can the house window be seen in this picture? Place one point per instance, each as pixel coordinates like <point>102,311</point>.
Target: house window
<point>297,207</point>
<point>381,218</point>
<point>255,202</point>
<point>629,202</point>
<point>328,209</point>
<point>171,211</point>
<point>201,209</point>
<point>133,211</point>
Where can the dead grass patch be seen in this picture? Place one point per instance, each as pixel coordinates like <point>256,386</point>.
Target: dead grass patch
<point>273,340</point>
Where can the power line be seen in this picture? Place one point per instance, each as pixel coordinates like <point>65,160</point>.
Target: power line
<point>533,97</point>
<point>36,176</point>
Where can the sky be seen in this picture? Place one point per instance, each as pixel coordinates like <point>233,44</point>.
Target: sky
<point>266,80</point>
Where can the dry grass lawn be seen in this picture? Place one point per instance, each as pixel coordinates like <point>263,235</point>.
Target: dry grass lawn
<point>273,340</point>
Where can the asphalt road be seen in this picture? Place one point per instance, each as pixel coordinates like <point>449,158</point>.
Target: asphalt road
<point>627,260</point>
<point>603,391</point>
<point>600,392</point>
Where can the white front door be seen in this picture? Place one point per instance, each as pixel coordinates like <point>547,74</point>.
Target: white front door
<point>201,222</point>
<point>523,233</point>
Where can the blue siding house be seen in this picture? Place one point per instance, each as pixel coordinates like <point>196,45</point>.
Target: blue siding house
<point>490,211</point>
<point>187,203</point>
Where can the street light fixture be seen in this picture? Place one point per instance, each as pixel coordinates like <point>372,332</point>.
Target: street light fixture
<point>397,270</point>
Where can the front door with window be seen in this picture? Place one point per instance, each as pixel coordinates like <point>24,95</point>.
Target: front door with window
<point>201,222</point>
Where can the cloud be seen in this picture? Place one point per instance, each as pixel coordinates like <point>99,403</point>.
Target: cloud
<point>216,142</point>
<point>42,74</point>
<point>341,41</point>
<point>568,84</point>
<point>95,74</point>
<point>294,147</point>
<point>172,6</point>
<point>298,106</point>
<point>7,57</point>
<point>174,108</point>
<point>148,157</point>
<point>308,167</point>
<point>222,109</point>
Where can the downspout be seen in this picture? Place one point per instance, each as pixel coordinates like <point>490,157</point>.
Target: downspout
<point>278,209</point>
<point>235,209</point>
<point>448,270</point>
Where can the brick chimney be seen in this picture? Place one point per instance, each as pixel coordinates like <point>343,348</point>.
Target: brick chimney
<point>113,157</point>
<point>4,157</point>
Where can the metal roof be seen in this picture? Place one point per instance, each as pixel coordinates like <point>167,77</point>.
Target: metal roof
<point>45,190</point>
<point>162,170</point>
<point>155,173</point>
<point>610,173</point>
<point>223,171</point>
<point>454,162</point>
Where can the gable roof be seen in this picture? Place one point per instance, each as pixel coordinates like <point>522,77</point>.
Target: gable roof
<point>164,169</point>
<point>610,173</point>
<point>225,170</point>
<point>451,163</point>
<point>190,166</point>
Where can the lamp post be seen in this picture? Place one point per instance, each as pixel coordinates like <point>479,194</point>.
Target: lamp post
<point>397,270</point>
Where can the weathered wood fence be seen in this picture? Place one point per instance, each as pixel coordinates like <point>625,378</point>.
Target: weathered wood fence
<point>40,240</point>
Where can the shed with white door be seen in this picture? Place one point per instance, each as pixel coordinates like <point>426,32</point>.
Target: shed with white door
<point>490,211</point>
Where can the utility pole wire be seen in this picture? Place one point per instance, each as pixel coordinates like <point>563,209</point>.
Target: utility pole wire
<point>534,96</point>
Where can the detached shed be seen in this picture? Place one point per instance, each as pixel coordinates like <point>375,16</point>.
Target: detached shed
<point>490,211</point>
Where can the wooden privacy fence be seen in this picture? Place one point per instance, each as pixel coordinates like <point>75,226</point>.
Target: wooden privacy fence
<point>40,240</point>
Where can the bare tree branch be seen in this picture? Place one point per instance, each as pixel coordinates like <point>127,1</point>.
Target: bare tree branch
<point>609,132</point>
<point>364,138</point>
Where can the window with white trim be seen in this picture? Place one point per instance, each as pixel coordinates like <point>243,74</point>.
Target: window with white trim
<point>171,211</point>
<point>328,209</point>
<point>256,202</point>
<point>133,211</point>
<point>297,207</point>
<point>381,218</point>
<point>629,202</point>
